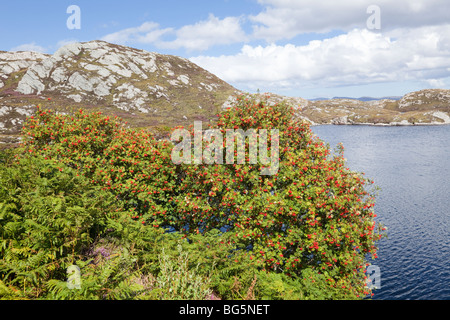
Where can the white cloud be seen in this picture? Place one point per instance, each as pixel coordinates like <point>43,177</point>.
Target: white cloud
<point>413,44</point>
<point>208,33</point>
<point>199,36</point>
<point>148,32</point>
<point>30,47</point>
<point>64,42</point>
<point>285,19</point>
<point>436,83</point>
<point>357,57</point>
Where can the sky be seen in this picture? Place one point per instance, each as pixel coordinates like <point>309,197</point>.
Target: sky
<point>301,48</point>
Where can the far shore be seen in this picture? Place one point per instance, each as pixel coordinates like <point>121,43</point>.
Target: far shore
<point>394,124</point>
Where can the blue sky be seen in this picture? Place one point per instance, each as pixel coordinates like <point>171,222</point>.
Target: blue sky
<point>303,48</point>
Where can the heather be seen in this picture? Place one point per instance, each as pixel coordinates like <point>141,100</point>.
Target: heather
<point>86,189</point>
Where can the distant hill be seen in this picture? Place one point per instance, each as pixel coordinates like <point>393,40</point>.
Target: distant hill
<point>416,108</point>
<point>147,89</point>
<point>430,106</point>
<point>359,99</point>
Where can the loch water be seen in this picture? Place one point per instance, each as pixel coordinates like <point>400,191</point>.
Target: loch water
<point>411,165</point>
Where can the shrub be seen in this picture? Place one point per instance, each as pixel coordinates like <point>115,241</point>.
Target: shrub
<point>304,232</point>
<point>314,215</point>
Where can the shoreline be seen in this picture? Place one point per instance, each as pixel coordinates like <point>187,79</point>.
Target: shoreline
<point>394,124</point>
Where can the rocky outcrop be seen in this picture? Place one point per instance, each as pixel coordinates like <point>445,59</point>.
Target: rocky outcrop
<point>145,88</point>
<point>425,100</point>
<point>13,62</point>
<point>425,107</point>
<point>126,78</point>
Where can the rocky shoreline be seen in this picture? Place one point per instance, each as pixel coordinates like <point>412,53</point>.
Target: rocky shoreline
<point>383,124</point>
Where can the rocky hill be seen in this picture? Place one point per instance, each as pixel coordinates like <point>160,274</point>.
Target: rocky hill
<point>416,108</point>
<point>160,91</point>
<point>426,107</point>
<point>145,88</point>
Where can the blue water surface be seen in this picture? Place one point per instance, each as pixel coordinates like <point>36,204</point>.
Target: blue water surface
<point>411,165</point>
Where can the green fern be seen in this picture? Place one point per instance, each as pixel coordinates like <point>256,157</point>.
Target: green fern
<point>45,227</point>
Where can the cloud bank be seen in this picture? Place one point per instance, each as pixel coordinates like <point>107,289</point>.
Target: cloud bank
<point>413,43</point>
<point>354,58</point>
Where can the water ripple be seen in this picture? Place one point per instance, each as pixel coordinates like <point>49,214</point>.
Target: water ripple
<point>412,167</point>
